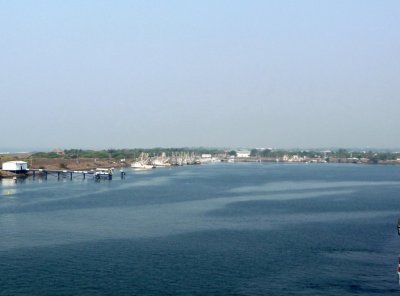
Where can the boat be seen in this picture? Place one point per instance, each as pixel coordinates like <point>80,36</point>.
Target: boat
<point>142,163</point>
<point>160,163</point>
<point>215,159</point>
<point>103,173</point>
<point>139,166</point>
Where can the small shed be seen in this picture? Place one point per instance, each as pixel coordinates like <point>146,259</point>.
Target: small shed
<point>18,167</point>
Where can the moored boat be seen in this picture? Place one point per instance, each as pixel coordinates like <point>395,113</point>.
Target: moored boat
<point>103,173</point>
<point>143,163</point>
<point>141,166</point>
<point>160,163</point>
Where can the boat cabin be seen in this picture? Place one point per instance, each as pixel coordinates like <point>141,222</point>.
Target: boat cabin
<point>103,173</point>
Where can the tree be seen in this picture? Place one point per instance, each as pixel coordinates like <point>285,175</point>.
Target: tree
<point>232,153</point>
<point>342,153</point>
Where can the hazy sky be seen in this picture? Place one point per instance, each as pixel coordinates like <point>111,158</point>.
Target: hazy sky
<point>102,74</point>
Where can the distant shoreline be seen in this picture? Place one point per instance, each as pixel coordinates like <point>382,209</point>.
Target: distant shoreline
<point>78,159</point>
<point>91,164</point>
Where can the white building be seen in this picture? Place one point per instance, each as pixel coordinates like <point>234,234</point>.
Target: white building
<point>243,154</point>
<point>15,166</point>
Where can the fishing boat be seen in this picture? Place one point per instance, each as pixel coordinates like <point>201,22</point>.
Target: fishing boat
<point>143,163</point>
<point>160,163</point>
<point>139,166</point>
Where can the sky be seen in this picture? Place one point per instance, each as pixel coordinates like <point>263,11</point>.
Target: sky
<point>125,74</point>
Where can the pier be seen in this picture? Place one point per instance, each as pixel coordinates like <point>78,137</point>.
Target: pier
<point>15,169</point>
<point>60,173</point>
<point>71,173</point>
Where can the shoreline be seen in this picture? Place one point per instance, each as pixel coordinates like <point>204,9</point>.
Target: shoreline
<point>92,164</point>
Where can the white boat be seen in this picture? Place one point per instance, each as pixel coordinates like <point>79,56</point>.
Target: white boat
<point>142,163</point>
<point>139,166</point>
<point>215,159</point>
<point>160,163</point>
<point>103,173</point>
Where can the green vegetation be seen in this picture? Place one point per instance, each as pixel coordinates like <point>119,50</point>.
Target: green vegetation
<point>232,153</point>
<point>269,153</point>
<point>46,155</point>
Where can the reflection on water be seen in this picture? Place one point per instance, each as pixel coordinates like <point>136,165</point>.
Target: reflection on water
<point>8,182</point>
<point>307,185</point>
<point>8,187</point>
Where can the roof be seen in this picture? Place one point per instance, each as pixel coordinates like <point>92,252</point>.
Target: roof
<point>15,162</point>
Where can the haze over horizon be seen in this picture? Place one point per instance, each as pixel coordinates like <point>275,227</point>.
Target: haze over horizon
<point>126,74</point>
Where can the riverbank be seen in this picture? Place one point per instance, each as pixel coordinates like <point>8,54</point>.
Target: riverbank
<point>93,163</point>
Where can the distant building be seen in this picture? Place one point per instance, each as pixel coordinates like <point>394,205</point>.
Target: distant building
<point>243,153</point>
<point>58,151</point>
<point>18,167</point>
<point>206,156</point>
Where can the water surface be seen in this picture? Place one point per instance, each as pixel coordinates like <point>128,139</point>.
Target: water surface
<point>237,229</point>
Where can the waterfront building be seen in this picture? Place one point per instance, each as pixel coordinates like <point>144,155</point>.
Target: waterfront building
<point>16,166</point>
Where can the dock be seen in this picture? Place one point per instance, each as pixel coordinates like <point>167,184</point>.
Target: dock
<point>16,168</point>
<point>71,173</point>
<point>60,173</point>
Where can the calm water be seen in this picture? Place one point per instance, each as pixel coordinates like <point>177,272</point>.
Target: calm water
<point>225,229</point>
